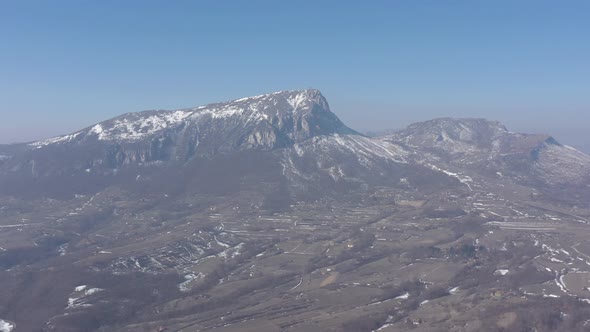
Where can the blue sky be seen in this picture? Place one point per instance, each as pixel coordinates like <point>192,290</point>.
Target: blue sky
<point>383,64</point>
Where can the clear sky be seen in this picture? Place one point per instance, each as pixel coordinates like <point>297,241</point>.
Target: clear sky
<point>65,65</point>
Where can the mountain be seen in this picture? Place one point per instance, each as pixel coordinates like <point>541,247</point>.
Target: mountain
<point>488,148</point>
<point>294,131</point>
<point>263,122</point>
<point>291,131</point>
<point>268,213</point>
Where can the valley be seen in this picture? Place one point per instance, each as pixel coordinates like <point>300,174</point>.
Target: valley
<point>294,223</point>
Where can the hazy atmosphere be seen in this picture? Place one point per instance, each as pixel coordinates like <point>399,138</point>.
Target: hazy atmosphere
<point>298,166</point>
<point>382,65</point>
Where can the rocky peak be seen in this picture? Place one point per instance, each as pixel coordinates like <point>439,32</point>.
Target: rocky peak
<point>292,115</point>
<point>264,122</point>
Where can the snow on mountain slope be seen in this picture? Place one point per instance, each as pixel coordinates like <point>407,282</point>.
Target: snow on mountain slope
<point>354,163</point>
<point>300,114</point>
<point>136,128</point>
<point>454,136</point>
<point>487,147</point>
<point>562,164</point>
<point>335,153</point>
<point>265,122</point>
<point>463,129</point>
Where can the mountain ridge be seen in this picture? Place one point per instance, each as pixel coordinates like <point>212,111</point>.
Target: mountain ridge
<point>305,139</point>
<point>280,109</point>
<point>238,221</point>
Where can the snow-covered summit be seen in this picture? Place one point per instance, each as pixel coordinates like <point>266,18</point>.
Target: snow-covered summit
<point>299,113</point>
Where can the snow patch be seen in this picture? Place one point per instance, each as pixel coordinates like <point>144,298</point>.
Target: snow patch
<point>79,298</point>
<point>463,179</point>
<point>188,279</point>
<point>92,291</point>
<point>6,326</point>
<point>501,272</point>
<point>383,327</point>
<point>55,140</point>
<point>80,288</point>
<point>231,252</point>
<point>404,296</point>
<point>135,129</point>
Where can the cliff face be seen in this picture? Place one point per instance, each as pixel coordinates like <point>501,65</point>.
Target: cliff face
<point>263,122</point>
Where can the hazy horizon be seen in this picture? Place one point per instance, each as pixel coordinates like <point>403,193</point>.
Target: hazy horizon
<point>380,67</point>
<point>576,136</point>
<point>250,203</point>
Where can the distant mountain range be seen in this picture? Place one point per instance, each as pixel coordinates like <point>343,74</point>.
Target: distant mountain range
<point>294,134</point>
